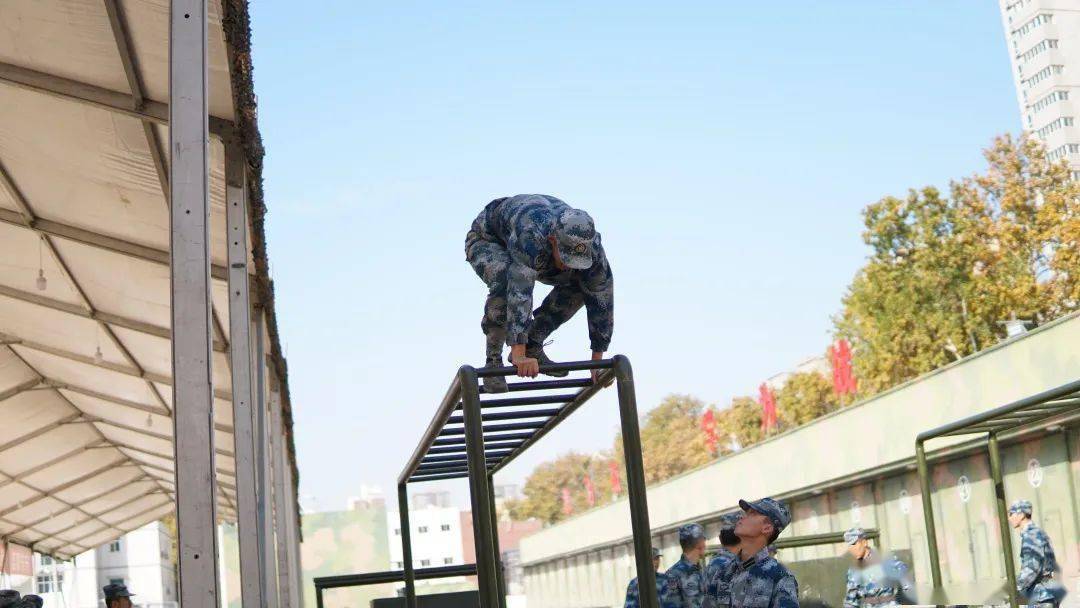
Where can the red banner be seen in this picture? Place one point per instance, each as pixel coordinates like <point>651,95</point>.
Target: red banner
<point>708,426</point>
<point>843,376</point>
<point>768,407</point>
<point>616,484</point>
<point>567,506</point>
<point>590,491</point>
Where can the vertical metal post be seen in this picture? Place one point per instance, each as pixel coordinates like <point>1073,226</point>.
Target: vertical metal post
<point>262,470</point>
<point>500,567</point>
<point>635,480</point>
<point>1003,517</point>
<point>928,514</point>
<point>193,403</point>
<point>406,545</point>
<point>251,578</point>
<point>281,498</point>
<point>479,489</point>
<point>318,597</point>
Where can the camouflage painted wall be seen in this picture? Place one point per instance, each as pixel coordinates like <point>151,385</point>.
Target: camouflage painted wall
<point>345,542</point>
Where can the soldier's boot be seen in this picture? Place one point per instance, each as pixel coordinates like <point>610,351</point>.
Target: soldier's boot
<point>494,384</point>
<point>536,351</point>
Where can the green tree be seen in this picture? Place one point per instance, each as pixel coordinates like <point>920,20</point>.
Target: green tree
<point>804,397</point>
<point>543,488</point>
<point>672,441</point>
<point>945,272</point>
<point>739,425</point>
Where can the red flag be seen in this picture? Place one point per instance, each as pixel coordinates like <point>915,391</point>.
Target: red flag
<point>843,376</point>
<point>590,491</point>
<point>708,426</point>
<point>768,407</point>
<point>613,471</point>
<point>567,506</point>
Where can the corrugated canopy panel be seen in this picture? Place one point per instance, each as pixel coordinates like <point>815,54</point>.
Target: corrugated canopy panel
<point>86,450</point>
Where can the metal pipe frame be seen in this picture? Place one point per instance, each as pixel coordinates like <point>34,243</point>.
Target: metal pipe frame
<point>377,578</point>
<point>479,464</point>
<point>1003,517</point>
<point>1030,411</point>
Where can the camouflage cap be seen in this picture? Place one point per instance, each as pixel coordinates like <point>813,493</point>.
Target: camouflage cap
<point>854,535</point>
<point>655,553</point>
<point>8,598</point>
<point>574,233</point>
<point>31,601</point>
<point>728,521</point>
<point>1020,506</point>
<point>776,512</point>
<point>691,532</point>
<point>116,590</point>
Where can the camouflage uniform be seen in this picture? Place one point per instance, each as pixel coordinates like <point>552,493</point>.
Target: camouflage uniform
<point>685,581</point>
<point>1038,564</point>
<point>877,582</point>
<point>507,246</point>
<point>664,597</point>
<point>716,583</point>
<point>760,582</point>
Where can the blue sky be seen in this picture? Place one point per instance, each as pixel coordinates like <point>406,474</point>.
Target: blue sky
<point>725,150</point>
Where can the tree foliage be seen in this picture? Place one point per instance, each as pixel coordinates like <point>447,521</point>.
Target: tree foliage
<point>945,271</point>
<point>543,488</point>
<point>804,397</point>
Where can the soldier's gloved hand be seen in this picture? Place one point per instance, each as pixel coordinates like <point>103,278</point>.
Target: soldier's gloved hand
<point>527,367</point>
<point>596,373</point>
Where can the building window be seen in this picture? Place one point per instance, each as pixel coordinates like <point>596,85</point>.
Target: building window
<point>1060,123</point>
<point>448,560</point>
<point>114,547</point>
<point>46,560</point>
<point>445,527</point>
<point>1042,75</point>
<point>47,583</point>
<point>425,562</point>
<point>422,529</point>
<point>1035,22</point>
<point>397,531</point>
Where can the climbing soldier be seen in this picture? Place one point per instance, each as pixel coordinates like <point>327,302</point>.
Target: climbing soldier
<point>874,581</point>
<point>519,240</point>
<point>685,581</point>
<point>633,599</point>
<point>1038,564</point>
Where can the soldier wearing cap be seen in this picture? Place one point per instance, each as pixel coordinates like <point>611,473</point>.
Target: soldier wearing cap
<point>686,583</point>
<point>1038,564</point>
<point>873,581</point>
<point>117,596</point>
<point>633,599</point>
<point>9,598</point>
<point>755,579</point>
<point>716,585</point>
<point>31,601</point>
<point>522,239</point>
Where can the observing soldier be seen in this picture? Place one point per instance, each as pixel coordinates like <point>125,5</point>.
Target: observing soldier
<point>686,585</point>
<point>716,585</point>
<point>117,596</point>
<point>520,240</point>
<point>9,598</point>
<point>873,581</point>
<point>632,598</point>
<point>1038,565</point>
<point>31,601</point>
<point>755,579</point>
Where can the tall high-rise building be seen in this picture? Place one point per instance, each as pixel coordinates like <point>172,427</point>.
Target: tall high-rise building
<point>1044,48</point>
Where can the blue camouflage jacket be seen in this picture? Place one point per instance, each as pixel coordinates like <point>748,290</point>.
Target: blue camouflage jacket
<point>522,224</point>
<point>686,584</point>
<point>877,582</point>
<point>759,582</point>
<point>1038,565</point>
<point>716,581</point>
<point>633,599</point>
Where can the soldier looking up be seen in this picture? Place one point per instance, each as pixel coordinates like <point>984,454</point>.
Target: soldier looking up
<point>873,581</point>
<point>1038,564</point>
<point>756,579</point>
<point>685,581</point>
<point>514,243</point>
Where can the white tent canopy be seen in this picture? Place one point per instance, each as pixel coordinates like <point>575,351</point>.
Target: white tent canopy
<point>86,430</point>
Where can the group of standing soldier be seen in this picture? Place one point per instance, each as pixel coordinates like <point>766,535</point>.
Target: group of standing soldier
<point>744,573</point>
